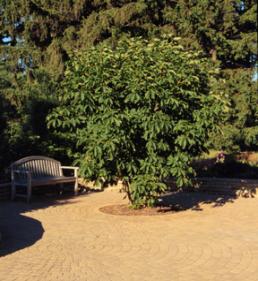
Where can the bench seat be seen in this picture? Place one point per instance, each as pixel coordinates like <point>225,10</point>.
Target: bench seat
<point>47,181</point>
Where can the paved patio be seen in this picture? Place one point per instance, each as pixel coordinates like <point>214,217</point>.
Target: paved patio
<point>71,240</point>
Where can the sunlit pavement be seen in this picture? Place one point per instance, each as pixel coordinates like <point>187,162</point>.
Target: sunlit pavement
<point>71,240</point>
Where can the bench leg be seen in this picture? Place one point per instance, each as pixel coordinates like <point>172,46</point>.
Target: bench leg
<point>13,191</point>
<point>61,189</point>
<point>76,187</point>
<point>28,192</point>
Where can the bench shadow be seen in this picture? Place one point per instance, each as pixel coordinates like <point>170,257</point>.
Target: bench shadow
<point>17,229</point>
<point>186,200</point>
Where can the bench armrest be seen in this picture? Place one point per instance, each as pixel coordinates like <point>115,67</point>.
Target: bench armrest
<point>71,168</point>
<point>20,174</point>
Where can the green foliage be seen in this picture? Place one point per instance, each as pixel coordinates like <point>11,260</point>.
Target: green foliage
<point>22,117</point>
<point>239,130</point>
<point>138,113</point>
<point>2,124</point>
<point>226,30</point>
<point>42,33</point>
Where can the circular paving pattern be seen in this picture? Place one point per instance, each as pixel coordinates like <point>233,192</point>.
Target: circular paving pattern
<point>74,241</point>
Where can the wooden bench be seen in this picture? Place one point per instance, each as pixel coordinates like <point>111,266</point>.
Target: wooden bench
<point>35,171</point>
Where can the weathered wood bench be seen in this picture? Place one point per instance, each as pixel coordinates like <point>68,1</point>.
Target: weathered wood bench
<point>36,171</point>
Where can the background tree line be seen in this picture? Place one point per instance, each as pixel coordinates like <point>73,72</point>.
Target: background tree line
<point>38,37</point>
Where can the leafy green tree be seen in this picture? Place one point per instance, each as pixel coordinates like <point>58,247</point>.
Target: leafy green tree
<point>138,113</point>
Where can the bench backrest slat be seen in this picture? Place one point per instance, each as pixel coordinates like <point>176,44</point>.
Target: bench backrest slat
<point>39,166</point>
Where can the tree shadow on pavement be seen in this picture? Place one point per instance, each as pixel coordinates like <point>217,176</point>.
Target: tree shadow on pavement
<point>18,230</point>
<point>182,200</point>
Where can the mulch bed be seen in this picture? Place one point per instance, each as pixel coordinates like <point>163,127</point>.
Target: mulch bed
<point>126,210</point>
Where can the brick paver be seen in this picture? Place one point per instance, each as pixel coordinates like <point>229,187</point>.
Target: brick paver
<point>73,241</point>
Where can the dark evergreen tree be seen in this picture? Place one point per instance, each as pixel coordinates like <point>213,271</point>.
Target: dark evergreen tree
<point>225,30</point>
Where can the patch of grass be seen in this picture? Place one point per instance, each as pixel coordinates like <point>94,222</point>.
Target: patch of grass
<point>210,154</point>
